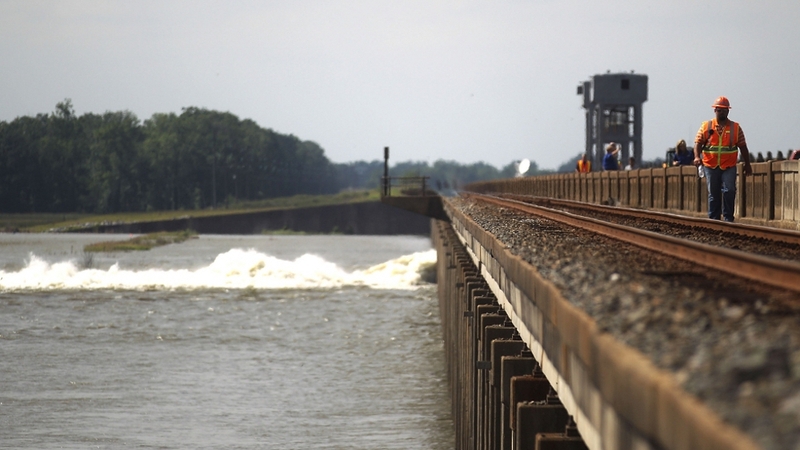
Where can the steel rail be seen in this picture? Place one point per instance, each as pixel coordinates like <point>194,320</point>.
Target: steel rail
<point>770,271</point>
<point>754,231</point>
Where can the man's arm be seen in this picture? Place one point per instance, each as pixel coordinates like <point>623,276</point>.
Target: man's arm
<point>698,158</point>
<point>742,144</point>
<point>748,170</point>
<point>699,142</point>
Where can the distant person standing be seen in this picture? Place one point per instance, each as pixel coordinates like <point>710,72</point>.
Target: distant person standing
<point>631,163</point>
<point>584,165</point>
<point>682,157</point>
<point>717,146</point>
<point>610,161</point>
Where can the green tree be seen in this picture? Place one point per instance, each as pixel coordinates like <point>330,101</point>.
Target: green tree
<point>61,161</point>
<point>161,149</point>
<point>118,173</point>
<point>20,173</point>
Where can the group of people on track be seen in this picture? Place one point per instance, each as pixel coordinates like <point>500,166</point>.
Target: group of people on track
<point>716,153</point>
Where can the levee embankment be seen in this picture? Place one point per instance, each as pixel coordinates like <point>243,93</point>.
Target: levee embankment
<point>368,218</point>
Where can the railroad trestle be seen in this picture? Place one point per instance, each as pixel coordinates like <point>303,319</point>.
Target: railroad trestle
<point>526,366</point>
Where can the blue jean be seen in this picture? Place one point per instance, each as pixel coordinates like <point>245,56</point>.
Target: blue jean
<point>721,185</point>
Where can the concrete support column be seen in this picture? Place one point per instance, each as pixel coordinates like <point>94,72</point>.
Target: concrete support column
<point>534,418</point>
<point>500,348</point>
<point>511,366</point>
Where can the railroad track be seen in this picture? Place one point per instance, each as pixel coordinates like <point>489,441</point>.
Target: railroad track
<point>780,273</point>
<point>766,241</point>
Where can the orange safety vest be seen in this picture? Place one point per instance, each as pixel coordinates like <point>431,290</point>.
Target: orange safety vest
<point>584,166</point>
<point>720,148</point>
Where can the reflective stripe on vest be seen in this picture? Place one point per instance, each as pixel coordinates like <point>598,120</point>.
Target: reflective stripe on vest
<point>721,150</point>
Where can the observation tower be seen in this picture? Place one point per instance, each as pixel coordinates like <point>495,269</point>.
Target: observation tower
<point>613,104</point>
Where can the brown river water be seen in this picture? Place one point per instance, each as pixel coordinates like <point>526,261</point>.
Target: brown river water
<point>234,342</point>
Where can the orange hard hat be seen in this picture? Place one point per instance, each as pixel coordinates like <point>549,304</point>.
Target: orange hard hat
<point>722,102</point>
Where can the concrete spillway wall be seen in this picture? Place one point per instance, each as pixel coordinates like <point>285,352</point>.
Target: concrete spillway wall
<point>371,218</point>
<point>505,326</point>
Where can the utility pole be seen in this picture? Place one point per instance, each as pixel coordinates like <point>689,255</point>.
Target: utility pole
<point>385,171</point>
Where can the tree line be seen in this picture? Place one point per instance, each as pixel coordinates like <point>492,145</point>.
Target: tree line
<point>113,162</point>
<point>444,175</point>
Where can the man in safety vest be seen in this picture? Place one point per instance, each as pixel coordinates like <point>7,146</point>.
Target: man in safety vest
<point>717,148</point>
<point>584,165</point>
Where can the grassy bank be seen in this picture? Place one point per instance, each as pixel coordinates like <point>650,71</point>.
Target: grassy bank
<point>23,222</point>
<point>35,223</point>
<point>139,243</point>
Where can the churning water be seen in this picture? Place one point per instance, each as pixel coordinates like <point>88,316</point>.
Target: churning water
<point>274,342</point>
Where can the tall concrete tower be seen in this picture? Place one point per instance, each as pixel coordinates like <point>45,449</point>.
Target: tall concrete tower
<point>613,104</point>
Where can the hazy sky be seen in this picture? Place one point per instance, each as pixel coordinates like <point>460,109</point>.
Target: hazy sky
<point>469,81</point>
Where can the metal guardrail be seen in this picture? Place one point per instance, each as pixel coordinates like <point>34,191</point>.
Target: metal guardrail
<point>770,194</point>
<point>408,186</point>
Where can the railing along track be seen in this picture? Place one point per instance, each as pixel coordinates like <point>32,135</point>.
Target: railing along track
<point>770,271</point>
